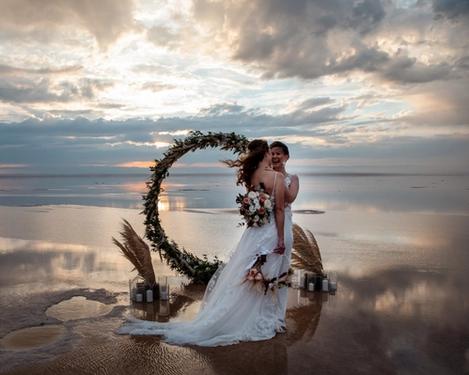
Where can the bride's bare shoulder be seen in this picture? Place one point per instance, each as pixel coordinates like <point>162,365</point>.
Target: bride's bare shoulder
<point>268,178</point>
<point>273,175</point>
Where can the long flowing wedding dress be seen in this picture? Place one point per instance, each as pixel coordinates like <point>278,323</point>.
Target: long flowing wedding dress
<point>232,310</point>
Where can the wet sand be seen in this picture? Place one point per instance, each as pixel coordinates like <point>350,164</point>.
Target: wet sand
<point>92,346</point>
<point>383,324</point>
<point>401,256</point>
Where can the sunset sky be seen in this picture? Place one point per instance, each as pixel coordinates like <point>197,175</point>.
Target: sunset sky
<point>103,86</point>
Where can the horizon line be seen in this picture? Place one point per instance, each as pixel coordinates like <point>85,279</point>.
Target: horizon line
<point>113,174</point>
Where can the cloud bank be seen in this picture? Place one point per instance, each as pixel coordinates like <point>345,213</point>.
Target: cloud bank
<point>344,82</point>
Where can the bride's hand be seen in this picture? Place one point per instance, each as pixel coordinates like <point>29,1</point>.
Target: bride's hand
<point>280,249</point>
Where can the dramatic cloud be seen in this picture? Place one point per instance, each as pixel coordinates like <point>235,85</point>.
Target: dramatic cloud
<point>42,90</point>
<point>105,20</point>
<point>415,47</point>
<point>383,82</point>
<point>220,117</point>
<point>319,140</point>
<point>451,8</point>
<point>310,39</point>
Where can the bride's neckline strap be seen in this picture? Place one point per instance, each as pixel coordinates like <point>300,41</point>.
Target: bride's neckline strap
<point>275,180</point>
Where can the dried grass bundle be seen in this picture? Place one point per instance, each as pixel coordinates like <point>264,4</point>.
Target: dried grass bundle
<point>306,254</point>
<point>137,252</point>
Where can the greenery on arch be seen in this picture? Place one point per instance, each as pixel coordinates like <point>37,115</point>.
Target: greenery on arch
<point>199,270</point>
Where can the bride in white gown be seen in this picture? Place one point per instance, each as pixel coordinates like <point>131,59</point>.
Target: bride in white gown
<point>232,309</point>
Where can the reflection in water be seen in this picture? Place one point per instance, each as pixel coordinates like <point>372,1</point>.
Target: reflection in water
<point>133,186</point>
<point>423,295</point>
<point>401,307</point>
<point>305,315</point>
<point>366,193</point>
<point>266,356</point>
<point>178,306</point>
<point>15,244</point>
<point>77,308</point>
<point>259,357</point>
<point>304,308</point>
<point>183,303</point>
<point>172,203</point>
<point>356,328</point>
<point>32,337</point>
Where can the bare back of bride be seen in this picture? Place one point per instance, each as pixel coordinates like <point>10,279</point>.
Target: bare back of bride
<point>241,301</point>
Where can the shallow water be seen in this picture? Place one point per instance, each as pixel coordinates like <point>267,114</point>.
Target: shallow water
<point>32,337</point>
<point>399,246</point>
<point>77,307</point>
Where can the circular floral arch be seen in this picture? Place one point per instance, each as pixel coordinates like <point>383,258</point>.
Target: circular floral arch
<point>199,270</point>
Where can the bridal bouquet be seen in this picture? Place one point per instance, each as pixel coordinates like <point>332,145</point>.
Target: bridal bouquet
<point>257,280</point>
<point>255,207</point>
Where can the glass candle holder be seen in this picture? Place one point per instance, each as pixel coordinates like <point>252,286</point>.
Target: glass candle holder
<point>139,297</point>
<point>333,281</point>
<point>302,278</point>
<point>296,279</point>
<point>149,295</point>
<point>325,285</point>
<point>164,287</point>
<point>136,285</point>
<point>164,308</point>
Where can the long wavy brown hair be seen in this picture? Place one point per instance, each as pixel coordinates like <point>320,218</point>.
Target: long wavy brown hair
<point>248,163</point>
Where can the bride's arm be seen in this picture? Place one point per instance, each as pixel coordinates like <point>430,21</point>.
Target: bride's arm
<point>280,212</point>
<point>292,191</point>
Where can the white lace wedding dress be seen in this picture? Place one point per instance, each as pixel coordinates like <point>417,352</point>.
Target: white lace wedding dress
<point>232,311</point>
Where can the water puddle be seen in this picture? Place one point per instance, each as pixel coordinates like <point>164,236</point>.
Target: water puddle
<point>179,308</point>
<point>32,337</point>
<point>78,307</point>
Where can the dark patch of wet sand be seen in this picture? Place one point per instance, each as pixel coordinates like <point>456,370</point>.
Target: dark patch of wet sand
<point>23,315</point>
<point>20,313</point>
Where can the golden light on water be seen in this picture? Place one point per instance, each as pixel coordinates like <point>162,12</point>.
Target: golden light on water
<point>174,203</point>
<point>163,203</point>
<point>134,187</point>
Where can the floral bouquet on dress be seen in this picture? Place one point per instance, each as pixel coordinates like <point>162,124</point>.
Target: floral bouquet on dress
<point>256,208</point>
<point>256,278</point>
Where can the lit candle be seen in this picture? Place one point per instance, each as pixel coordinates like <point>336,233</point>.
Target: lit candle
<point>164,292</point>
<point>164,287</point>
<point>325,285</point>
<point>149,295</point>
<point>302,279</point>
